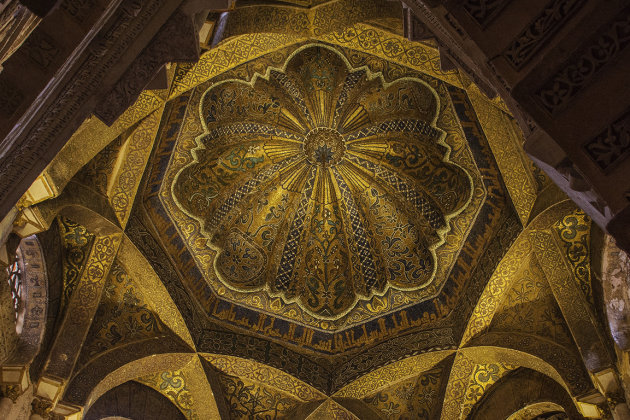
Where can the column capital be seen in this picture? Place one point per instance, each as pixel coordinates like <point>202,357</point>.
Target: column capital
<point>42,407</point>
<point>11,391</point>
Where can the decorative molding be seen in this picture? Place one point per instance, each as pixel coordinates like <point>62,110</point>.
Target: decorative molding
<point>130,166</point>
<point>16,23</point>
<point>176,41</point>
<point>537,34</point>
<point>11,98</point>
<point>24,149</point>
<point>612,145</point>
<point>78,9</point>
<point>41,49</point>
<point>484,11</point>
<point>579,71</point>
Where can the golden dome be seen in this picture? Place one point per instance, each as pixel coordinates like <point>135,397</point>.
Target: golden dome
<point>321,183</point>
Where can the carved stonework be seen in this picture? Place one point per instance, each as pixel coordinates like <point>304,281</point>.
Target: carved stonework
<point>484,11</point>
<point>41,49</point>
<point>580,70</point>
<point>415,29</point>
<point>42,407</point>
<point>11,391</point>
<point>177,40</point>
<point>78,9</point>
<point>25,146</point>
<point>11,98</point>
<point>614,399</point>
<point>16,23</point>
<point>612,145</point>
<point>536,35</point>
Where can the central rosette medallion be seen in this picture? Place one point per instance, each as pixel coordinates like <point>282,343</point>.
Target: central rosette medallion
<point>321,184</point>
<point>324,146</point>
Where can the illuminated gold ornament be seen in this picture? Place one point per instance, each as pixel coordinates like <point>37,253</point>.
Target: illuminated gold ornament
<point>322,184</point>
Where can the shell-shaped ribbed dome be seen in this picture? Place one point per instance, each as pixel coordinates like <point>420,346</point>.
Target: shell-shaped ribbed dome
<point>321,183</point>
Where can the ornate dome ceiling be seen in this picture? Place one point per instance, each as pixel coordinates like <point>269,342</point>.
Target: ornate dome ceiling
<point>321,184</point>
<point>314,218</point>
<point>329,194</point>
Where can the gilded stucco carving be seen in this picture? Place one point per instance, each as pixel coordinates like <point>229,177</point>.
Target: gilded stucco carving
<point>360,37</point>
<point>482,378</point>
<point>172,384</point>
<point>76,246</point>
<point>455,394</point>
<point>123,316</point>
<point>574,233</point>
<point>396,400</point>
<point>247,399</point>
<point>187,387</point>
<point>507,148</point>
<point>495,290</point>
<point>130,166</point>
<point>418,397</point>
<point>152,287</point>
<point>82,305</point>
<point>331,410</point>
<point>144,366</point>
<point>315,21</point>
<point>98,172</point>
<point>243,368</point>
<point>229,54</point>
<point>391,373</point>
<point>503,277</point>
<point>529,306</point>
<point>393,48</point>
<point>572,302</point>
